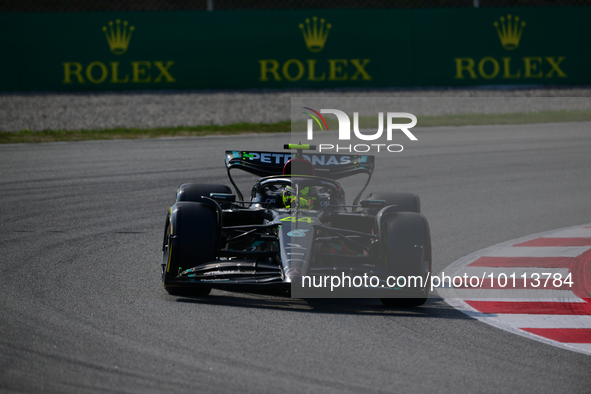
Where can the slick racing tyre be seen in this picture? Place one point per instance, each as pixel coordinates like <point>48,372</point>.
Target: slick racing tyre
<point>190,240</point>
<point>405,202</point>
<point>406,241</point>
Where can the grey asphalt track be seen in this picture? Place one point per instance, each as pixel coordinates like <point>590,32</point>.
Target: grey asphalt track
<point>83,309</point>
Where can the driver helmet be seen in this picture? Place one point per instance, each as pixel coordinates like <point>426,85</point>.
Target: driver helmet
<point>308,197</point>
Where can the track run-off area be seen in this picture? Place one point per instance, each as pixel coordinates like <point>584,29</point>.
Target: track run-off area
<point>538,286</point>
<point>83,309</point>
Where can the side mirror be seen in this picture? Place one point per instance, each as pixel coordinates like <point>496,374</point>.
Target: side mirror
<point>223,197</point>
<point>372,203</point>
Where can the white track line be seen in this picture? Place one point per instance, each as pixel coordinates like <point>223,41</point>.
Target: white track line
<point>543,321</point>
<point>572,233</point>
<point>583,346</point>
<point>539,251</point>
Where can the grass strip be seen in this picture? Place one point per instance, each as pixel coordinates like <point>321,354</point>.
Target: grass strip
<point>27,136</point>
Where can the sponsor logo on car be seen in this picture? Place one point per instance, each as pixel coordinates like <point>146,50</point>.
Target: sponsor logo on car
<point>297,233</point>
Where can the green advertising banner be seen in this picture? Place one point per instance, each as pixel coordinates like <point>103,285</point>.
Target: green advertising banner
<point>294,49</point>
<point>524,46</point>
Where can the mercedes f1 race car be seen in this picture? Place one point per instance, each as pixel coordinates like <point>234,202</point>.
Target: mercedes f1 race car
<point>294,230</point>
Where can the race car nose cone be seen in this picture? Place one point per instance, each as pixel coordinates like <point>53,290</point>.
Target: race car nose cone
<point>293,270</point>
<point>292,274</point>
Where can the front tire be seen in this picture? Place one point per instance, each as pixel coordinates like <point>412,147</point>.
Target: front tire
<point>190,240</point>
<point>406,240</point>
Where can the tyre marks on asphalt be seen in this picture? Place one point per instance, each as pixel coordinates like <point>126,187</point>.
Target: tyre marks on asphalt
<point>557,313</point>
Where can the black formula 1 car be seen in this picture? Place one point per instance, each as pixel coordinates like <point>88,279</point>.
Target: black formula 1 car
<point>296,225</point>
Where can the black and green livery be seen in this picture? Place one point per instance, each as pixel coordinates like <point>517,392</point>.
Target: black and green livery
<point>216,238</point>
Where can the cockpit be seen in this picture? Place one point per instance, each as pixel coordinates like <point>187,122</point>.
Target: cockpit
<point>297,188</point>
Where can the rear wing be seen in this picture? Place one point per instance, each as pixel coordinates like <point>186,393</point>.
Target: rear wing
<point>327,165</point>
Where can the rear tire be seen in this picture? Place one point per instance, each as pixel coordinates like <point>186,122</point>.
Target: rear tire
<point>190,240</point>
<point>406,240</point>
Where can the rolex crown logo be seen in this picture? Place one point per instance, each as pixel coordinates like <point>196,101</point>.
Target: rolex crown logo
<point>314,35</point>
<point>510,31</point>
<point>118,37</point>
